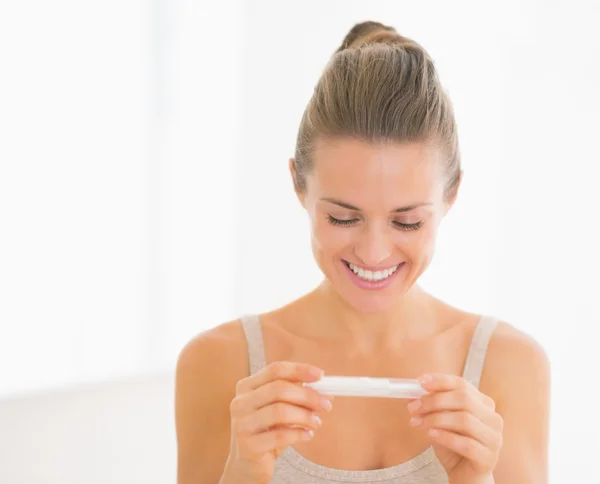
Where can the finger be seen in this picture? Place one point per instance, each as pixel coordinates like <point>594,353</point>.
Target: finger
<point>451,400</point>
<point>279,391</point>
<point>481,457</point>
<point>259,444</point>
<point>285,391</point>
<point>277,415</point>
<point>443,382</point>
<point>460,422</point>
<point>488,401</point>
<point>284,370</point>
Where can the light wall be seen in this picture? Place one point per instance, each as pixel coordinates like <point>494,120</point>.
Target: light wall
<point>156,203</point>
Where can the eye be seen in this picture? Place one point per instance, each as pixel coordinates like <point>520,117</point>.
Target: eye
<point>408,227</point>
<point>336,221</point>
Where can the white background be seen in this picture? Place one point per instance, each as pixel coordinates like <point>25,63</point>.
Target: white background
<point>145,197</point>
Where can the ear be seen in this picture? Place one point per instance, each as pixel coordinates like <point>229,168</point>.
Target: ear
<point>299,193</point>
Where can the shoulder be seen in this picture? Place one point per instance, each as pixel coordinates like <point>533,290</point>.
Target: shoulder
<point>208,369</point>
<point>515,362</point>
<point>516,352</point>
<point>211,346</point>
<point>214,359</point>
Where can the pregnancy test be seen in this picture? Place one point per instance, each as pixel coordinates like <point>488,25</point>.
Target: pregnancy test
<point>361,386</point>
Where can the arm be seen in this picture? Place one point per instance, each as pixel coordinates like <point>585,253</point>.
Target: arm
<point>520,371</point>
<point>206,374</point>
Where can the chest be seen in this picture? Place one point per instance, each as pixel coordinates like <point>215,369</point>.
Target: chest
<point>369,433</point>
<point>364,434</point>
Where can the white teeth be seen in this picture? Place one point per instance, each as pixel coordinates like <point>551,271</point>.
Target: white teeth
<point>372,276</point>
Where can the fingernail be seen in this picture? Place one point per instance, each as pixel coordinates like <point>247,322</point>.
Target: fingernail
<point>434,432</point>
<point>317,421</point>
<point>307,435</point>
<point>414,406</point>
<point>425,379</point>
<point>415,422</point>
<point>316,372</point>
<point>326,404</point>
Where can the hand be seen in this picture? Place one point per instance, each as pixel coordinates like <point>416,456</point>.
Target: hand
<point>271,410</point>
<point>464,426</point>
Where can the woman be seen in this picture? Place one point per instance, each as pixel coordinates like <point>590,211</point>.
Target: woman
<point>377,167</point>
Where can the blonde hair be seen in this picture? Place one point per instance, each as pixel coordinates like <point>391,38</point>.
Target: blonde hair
<point>379,87</point>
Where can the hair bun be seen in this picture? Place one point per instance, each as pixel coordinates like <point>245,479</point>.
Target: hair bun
<point>371,32</point>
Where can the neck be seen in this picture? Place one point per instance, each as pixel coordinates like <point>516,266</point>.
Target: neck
<point>411,317</point>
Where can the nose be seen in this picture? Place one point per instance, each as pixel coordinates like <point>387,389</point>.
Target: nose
<point>374,245</point>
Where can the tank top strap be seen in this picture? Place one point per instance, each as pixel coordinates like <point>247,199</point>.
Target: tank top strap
<point>254,341</point>
<point>478,349</point>
<point>473,364</point>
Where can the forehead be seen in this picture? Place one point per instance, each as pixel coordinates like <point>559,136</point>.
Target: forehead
<point>357,170</point>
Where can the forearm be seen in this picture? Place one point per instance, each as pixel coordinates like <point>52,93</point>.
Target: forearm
<point>233,475</point>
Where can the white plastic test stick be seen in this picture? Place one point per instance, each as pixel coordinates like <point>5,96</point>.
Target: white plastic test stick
<point>360,386</point>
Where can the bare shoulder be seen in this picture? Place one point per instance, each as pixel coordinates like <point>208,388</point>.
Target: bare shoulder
<point>213,346</point>
<point>508,337</point>
<point>207,371</point>
<point>216,356</point>
<point>516,363</point>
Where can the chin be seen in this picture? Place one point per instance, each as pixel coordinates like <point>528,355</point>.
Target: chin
<point>370,304</point>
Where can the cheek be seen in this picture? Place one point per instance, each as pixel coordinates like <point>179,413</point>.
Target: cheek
<point>329,238</point>
<point>418,244</point>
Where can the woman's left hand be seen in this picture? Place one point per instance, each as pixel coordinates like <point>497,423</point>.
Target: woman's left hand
<point>463,424</point>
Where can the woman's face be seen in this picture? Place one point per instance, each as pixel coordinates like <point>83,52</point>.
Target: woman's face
<point>374,211</point>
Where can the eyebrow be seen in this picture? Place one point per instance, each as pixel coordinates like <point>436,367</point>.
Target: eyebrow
<point>408,208</point>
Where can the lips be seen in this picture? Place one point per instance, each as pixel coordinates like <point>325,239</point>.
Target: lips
<point>371,274</point>
<point>369,280</point>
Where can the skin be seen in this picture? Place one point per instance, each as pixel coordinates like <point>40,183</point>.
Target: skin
<point>497,433</point>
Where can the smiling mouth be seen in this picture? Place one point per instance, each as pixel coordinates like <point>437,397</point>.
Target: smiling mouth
<point>371,276</point>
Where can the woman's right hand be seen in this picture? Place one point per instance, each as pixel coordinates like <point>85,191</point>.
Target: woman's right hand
<point>271,410</point>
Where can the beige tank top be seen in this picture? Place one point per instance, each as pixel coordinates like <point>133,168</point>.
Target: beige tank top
<point>293,468</point>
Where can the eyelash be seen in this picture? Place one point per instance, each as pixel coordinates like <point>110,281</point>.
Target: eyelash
<point>345,223</point>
